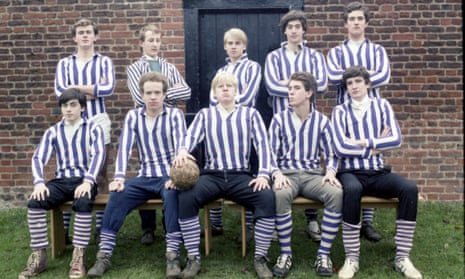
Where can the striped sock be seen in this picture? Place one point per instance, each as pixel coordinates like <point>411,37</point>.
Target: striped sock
<point>173,241</point>
<point>216,217</point>
<point>82,228</point>
<point>329,227</point>
<point>311,214</point>
<point>367,215</point>
<point>263,230</point>
<point>404,238</point>
<point>284,229</point>
<point>107,241</point>
<point>98,219</point>
<point>249,219</point>
<point>66,219</point>
<point>190,230</point>
<point>351,240</point>
<point>37,221</point>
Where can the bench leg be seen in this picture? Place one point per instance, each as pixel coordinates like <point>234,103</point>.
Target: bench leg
<point>244,234</point>
<point>57,233</point>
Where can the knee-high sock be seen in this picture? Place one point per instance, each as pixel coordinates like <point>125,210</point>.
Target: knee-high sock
<point>263,230</point>
<point>216,217</point>
<point>82,228</point>
<point>190,230</point>
<point>249,219</point>
<point>367,215</point>
<point>311,214</point>
<point>98,219</point>
<point>66,219</point>
<point>351,240</point>
<point>329,227</point>
<point>404,238</point>
<point>37,221</point>
<point>107,241</point>
<point>173,241</point>
<point>284,229</point>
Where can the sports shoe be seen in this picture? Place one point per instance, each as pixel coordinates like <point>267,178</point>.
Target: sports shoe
<point>406,267</point>
<point>282,266</point>
<point>349,269</point>
<point>369,232</point>
<point>102,264</point>
<point>78,263</point>
<point>147,237</point>
<point>172,265</point>
<point>261,267</point>
<point>192,267</point>
<point>36,263</point>
<point>313,231</point>
<point>323,265</point>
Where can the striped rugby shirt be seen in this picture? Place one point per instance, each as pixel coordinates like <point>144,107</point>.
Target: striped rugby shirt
<point>172,75</point>
<point>298,145</point>
<point>370,126</point>
<point>228,141</point>
<point>83,156</point>
<point>98,71</point>
<point>278,66</point>
<point>248,74</point>
<point>156,148</point>
<point>372,56</point>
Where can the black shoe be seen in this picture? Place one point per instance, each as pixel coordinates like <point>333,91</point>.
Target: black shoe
<point>147,237</point>
<point>369,232</point>
<point>216,231</point>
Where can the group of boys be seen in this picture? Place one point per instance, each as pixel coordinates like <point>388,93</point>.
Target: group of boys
<point>351,143</point>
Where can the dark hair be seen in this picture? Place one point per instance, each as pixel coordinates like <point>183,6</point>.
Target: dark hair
<point>308,80</point>
<point>153,77</point>
<point>293,15</point>
<point>84,22</point>
<point>72,94</point>
<point>356,6</point>
<point>355,71</point>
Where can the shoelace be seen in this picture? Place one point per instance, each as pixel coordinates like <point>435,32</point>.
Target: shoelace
<point>33,262</point>
<point>282,261</point>
<point>324,262</point>
<point>76,263</point>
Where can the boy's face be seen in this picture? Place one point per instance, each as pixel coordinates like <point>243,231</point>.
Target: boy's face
<point>153,96</point>
<point>85,36</point>
<point>294,32</point>
<point>71,111</point>
<point>151,45</point>
<point>297,94</point>
<point>356,24</point>
<point>234,48</point>
<point>225,92</point>
<point>357,88</point>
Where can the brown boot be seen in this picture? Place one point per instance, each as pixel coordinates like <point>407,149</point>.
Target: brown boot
<point>78,263</point>
<point>36,263</point>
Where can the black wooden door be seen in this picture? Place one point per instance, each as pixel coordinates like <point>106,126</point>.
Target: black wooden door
<point>205,24</point>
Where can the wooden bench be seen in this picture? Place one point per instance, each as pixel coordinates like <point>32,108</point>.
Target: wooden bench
<point>298,203</point>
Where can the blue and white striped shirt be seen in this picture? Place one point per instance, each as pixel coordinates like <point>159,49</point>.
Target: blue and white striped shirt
<point>228,139</point>
<point>279,66</point>
<point>372,56</point>
<point>83,156</point>
<point>346,125</point>
<point>98,71</point>
<point>248,74</point>
<point>156,148</point>
<point>297,145</point>
<point>142,66</point>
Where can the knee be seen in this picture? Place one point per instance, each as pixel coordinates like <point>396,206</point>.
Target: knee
<point>335,200</point>
<point>352,189</point>
<point>33,203</point>
<point>83,205</point>
<point>283,200</point>
<point>410,189</point>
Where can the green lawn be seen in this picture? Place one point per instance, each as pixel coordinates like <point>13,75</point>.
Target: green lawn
<point>438,248</point>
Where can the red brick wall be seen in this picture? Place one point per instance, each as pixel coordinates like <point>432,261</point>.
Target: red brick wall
<point>423,40</point>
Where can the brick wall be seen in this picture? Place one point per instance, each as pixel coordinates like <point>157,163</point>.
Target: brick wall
<point>422,38</point>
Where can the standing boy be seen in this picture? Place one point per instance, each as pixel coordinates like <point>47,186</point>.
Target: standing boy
<point>358,50</point>
<point>364,127</point>
<point>93,74</point>
<point>78,145</point>
<point>178,92</point>
<point>294,56</point>
<point>228,131</point>
<point>298,136</point>
<point>156,129</point>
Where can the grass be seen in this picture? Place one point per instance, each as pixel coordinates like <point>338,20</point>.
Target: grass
<point>438,248</point>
